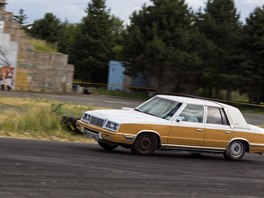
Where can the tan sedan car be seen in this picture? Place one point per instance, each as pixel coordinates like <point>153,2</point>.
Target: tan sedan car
<point>175,123</point>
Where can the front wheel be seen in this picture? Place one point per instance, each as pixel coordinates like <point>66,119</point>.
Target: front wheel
<point>107,147</point>
<point>145,144</point>
<point>235,151</point>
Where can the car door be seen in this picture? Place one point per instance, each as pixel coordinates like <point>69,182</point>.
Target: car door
<point>188,128</point>
<point>218,130</point>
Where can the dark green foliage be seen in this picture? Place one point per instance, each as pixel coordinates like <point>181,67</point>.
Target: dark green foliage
<point>47,29</point>
<point>21,18</point>
<point>161,43</point>
<point>252,67</point>
<point>94,43</point>
<point>222,30</point>
<point>67,38</point>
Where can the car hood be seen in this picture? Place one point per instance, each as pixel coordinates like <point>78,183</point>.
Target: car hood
<point>127,116</point>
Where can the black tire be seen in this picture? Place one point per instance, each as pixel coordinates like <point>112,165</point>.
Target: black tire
<point>225,156</point>
<point>107,147</point>
<point>235,151</point>
<point>196,154</point>
<point>145,144</point>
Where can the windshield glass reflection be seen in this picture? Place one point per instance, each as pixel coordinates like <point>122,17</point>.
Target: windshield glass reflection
<point>160,107</point>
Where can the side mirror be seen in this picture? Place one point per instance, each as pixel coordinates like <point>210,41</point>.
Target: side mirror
<point>179,118</point>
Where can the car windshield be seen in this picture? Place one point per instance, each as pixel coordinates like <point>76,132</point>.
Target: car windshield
<point>160,107</point>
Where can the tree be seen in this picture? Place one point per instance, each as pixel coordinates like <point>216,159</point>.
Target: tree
<point>21,18</point>
<point>117,32</point>
<point>94,43</point>
<point>47,29</point>
<point>221,27</point>
<point>160,42</point>
<point>252,67</point>
<point>67,38</point>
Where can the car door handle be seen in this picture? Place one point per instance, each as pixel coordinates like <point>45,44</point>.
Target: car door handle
<point>199,130</point>
<point>227,132</point>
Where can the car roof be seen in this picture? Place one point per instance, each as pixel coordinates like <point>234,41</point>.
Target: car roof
<point>234,115</point>
<point>188,100</point>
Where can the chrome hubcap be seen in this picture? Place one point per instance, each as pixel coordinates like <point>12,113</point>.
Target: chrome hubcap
<point>236,149</point>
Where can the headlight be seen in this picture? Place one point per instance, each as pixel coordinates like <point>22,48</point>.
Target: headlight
<point>86,117</point>
<point>111,126</point>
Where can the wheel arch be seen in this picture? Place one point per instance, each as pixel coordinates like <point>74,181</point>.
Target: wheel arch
<point>149,132</point>
<point>245,141</point>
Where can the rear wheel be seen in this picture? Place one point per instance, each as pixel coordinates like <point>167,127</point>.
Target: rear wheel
<point>107,147</point>
<point>145,144</point>
<point>235,151</point>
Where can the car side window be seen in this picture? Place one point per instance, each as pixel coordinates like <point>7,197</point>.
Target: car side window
<point>216,116</point>
<point>193,113</point>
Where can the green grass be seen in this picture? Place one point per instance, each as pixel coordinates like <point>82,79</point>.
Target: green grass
<point>40,119</point>
<point>43,46</point>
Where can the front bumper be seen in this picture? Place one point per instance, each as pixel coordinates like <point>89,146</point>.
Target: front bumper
<point>101,134</point>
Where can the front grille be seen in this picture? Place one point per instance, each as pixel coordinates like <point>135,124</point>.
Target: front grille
<point>96,121</point>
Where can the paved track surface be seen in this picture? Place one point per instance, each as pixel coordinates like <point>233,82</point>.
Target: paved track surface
<point>61,170</point>
<point>107,102</point>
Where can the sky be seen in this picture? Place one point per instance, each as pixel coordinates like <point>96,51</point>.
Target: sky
<point>73,10</point>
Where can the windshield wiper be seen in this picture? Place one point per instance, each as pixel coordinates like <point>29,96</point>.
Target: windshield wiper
<point>137,110</point>
<point>145,112</point>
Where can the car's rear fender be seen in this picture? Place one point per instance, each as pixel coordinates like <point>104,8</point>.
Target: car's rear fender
<point>245,141</point>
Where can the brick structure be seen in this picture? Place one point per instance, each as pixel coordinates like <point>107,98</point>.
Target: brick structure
<point>35,71</point>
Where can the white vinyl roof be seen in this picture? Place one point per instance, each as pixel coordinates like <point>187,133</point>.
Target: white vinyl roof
<point>234,115</point>
<point>188,100</point>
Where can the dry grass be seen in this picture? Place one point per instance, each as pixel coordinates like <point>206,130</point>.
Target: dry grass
<point>38,119</point>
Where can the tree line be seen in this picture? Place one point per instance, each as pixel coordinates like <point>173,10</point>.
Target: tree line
<point>200,53</point>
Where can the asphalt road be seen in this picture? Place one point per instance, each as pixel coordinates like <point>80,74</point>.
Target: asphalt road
<point>75,98</point>
<point>30,168</point>
<point>106,102</point>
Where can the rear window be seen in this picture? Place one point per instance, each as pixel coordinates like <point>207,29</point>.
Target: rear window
<point>216,116</point>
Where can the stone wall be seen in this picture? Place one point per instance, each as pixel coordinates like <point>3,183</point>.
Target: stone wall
<point>36,71</point>
<point>46,72</point>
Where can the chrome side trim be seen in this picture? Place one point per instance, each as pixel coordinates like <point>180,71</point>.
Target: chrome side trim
<point>192,147</point>
<point>253,144</point>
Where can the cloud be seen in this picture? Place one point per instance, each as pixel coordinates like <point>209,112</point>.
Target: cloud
<point>73,10</point>
<point>253,2</point>
<point>124,9</point>
<point>196,4</point>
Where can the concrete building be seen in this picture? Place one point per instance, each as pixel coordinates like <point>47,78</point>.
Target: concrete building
<point>34,70</point>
